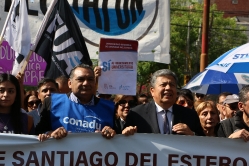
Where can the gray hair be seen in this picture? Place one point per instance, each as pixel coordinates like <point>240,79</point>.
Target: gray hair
<point>162,72</point>
<point>243,97</point>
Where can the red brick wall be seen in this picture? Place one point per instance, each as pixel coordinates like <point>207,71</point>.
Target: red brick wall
<point>240,9</point>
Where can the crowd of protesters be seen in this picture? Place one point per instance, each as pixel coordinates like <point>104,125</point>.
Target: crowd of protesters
<point>72,105</point>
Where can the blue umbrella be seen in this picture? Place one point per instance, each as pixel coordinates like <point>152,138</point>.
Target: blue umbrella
<point>215,82</point>
<point>233,61</point>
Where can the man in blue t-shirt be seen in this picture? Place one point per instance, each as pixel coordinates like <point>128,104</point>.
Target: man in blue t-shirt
<point>79,111</point>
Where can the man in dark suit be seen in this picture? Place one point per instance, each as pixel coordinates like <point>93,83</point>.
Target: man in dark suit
<point>162,115</point>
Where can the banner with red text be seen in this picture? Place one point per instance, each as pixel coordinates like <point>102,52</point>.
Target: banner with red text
<point>91,149</point>
<point>35,68</point>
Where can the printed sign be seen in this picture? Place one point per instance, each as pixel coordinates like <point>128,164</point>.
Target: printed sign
<point>118,59</point>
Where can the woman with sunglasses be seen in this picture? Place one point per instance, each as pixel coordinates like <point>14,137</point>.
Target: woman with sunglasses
<point>123,103</point>
<point>185,98</point>
<point>31,100</point>
<point>209,117</point>
<point>12,120</point>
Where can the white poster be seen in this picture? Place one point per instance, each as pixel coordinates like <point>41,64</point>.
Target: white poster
<point>118,59</point>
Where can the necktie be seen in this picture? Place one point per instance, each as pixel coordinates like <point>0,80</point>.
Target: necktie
<point>122,123</point>
<point>166,123</point>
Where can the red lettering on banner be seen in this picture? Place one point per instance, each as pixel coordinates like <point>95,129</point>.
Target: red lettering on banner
<point>2,157</point>
<point>16,157</point>
<point>99,160</point>
<point>115,156</point>
<point>127,159</point>
<point>62,154</point>
<point>198,159</point>
<point>79,160</point>
<point>235,162</point>
<point>170,160</point>
<point>48,158</point>
<point>225,161</point>
<point>32,158</point>
<point>186,161</point>
<point>143,160</point>
<point>209,162</point>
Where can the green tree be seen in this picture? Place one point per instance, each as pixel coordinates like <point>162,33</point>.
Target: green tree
<point>144,71</point>
<point>224,34</point>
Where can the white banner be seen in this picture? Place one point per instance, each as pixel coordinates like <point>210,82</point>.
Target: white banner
<point>146,21</point>
<point>140,149</point>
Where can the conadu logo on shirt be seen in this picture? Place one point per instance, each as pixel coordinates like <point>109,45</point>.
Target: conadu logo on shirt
<point>91,124</point>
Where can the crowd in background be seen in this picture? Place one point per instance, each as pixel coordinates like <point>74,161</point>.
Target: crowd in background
<point>166,110</point>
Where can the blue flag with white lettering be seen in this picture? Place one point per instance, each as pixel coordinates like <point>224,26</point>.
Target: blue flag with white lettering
<point>61,42</point>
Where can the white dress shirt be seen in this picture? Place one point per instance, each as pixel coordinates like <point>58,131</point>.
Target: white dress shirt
<point>160,117</point>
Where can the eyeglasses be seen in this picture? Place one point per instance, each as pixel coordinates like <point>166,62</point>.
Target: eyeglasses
<point>199,95</point>
<point>182,102</point>
<point>36,102</point>
<point>131,103</point>
<point>233,106</point>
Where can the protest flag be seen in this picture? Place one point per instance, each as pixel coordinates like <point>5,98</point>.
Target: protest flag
<point>59,41</point>
<point>17,33</point>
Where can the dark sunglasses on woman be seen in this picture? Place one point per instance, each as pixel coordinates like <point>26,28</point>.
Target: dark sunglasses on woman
<point>36,102</point>
<point>131,103</point>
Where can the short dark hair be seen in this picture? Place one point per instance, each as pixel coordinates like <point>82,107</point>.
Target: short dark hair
<point>243,94</point>
<point>185,93</point>
<point>44,81</point>
<point>84,66</point>
<point>62,79</point>
<point>225,94</point>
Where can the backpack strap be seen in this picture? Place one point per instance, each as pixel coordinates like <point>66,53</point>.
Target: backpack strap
<point>30,123</point>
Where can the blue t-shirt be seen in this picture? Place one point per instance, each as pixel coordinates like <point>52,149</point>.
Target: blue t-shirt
<point>77,118</point>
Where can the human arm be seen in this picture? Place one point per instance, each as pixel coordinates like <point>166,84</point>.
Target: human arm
<point>243,134</point>
<point>130,130</point>
<point>59,133</point>
<point>182,128</point>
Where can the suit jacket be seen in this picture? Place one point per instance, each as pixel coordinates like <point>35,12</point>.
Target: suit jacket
<point>145,118</point>
<point>118,126</point>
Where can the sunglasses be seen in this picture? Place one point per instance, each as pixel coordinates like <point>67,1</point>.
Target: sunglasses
<point>233,106</point>
<point>199,95</point>
<point>31,103</point>
<point>182,102</point>
<point>131,103</point>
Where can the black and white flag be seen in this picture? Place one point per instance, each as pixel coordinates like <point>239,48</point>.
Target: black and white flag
<point>59,41</point>
<point>17,33</point>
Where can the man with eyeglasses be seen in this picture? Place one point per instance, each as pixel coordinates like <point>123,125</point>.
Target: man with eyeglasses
<point>220,104</point>
<point>162,115</point>
<point>46,87</point>
<point>231,106</point>
<point>238,125</point>
<point>77,112</point>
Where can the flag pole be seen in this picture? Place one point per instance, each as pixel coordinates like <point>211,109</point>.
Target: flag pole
<point>26,61</point>
<point>6,22</point>
<point>38,35</point>
<point>44,22</point>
